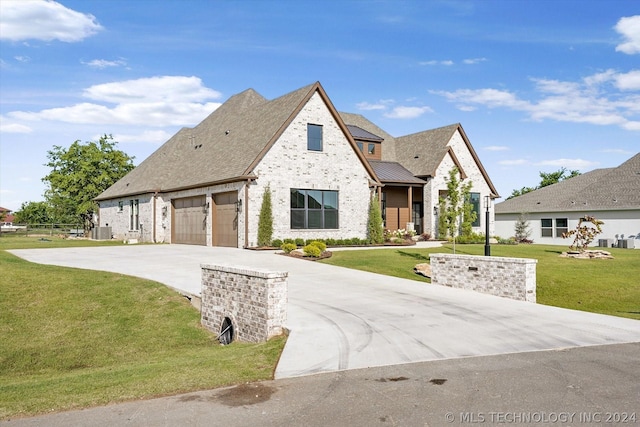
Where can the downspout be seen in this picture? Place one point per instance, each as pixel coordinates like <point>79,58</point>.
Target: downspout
<point>246,214</point>
<point>153,220</point>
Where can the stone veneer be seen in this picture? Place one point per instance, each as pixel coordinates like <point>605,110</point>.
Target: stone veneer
<point>513,278</point>
<point>254,300</point>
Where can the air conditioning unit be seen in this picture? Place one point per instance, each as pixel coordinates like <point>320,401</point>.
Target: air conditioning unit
<point>101,233</point>
<point>605,243</point>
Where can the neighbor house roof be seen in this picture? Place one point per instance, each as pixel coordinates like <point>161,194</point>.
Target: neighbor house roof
<point>600,189</point>
<point>224,147</point>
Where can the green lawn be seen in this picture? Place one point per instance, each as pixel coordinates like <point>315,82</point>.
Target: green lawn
<point>74,338</point>
<point>598,285</point>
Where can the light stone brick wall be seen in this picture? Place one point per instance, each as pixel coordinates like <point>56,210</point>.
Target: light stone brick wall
<point>288,164</point>
<point>119,221</point>
<point>468,164</point>
<point>254,300</point>
<point>513,278</point>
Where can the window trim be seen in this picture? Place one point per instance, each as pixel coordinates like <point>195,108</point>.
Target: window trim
<point>558,229</point>
<point>313,142</point>
<point>548,229</point>
<point>476,207</point>
<point>323,210</point>
<point>134,215</point>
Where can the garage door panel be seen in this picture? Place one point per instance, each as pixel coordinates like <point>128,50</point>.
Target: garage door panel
<point>190,221</point>
<point>225,223</point>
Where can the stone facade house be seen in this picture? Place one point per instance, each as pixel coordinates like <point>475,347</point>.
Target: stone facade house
<point>206,184</point>
<point>611,195</point>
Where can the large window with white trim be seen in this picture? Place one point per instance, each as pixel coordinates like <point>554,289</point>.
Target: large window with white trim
<point>314,209</point>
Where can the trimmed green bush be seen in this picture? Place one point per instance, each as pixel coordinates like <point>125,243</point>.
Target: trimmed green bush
<point>320,244</point>
<point>312,250</point>
<point>289,241</point>
<point>276,243</point>
<point>300,241</point>
<point>288,247</point>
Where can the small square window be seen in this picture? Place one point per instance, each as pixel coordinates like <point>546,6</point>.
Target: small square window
<point>372,149</point>
<point>360,146</point>
<point>562,226</point>
<point>546,227</point>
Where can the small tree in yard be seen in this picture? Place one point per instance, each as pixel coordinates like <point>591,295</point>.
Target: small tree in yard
<point>265,223</point>
<point>522,231</point>
<point>375,230</point>
<point>585,234</point>
<point>454,206</point>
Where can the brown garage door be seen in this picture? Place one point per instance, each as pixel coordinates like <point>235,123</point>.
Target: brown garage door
<point>189,221</point>
<point>225,220</point>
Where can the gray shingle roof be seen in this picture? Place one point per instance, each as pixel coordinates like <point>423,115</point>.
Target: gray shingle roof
<point>393,172</point>
<point>389,151</point>
<point>423,152</point>
<point>359,133</point>
<point>601,189</point>
<point>224,146</point>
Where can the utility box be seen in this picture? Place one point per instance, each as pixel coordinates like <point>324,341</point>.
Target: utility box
<point>101,233</point>
<point>605,243</point>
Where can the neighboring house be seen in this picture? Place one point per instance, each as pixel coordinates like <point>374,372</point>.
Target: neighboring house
<point>6,215</point>
<point>206,184</point>
<point>611,195</point>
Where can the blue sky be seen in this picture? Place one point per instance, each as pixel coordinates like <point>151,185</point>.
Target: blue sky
<point>537,85</point>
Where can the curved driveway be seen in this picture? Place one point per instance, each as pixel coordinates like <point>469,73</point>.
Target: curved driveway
<point>346,319</point>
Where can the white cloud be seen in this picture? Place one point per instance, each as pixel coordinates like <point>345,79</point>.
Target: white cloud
<point>472,61</point>
<point>446,62</point>
<point>103,63</point>
<point>8,127</point>
<point>570,164</point>
<point>148,136</point>
<point>152,89</point>
<point>22,58</point>
<point>403,112</point>
<point>604,98</point>
<point>629,28</point>
<point>157,101</point>
<point>44,20</point>
<point>496,148</point>
<point>369,107</point>
<point>628,81</point>
<point>515,162</point>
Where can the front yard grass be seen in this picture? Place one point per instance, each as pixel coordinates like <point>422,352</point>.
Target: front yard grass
<point>606,286</point>
<point>72,338</point>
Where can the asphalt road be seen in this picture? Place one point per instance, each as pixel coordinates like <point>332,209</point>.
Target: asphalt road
<point>587,386</point>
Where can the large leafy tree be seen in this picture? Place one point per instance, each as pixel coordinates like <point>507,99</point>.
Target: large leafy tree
<point>545,180</point>
<point>33,213</point>
<point>79,174</point>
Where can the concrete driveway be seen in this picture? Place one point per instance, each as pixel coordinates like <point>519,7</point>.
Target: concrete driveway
<point>345,319</point>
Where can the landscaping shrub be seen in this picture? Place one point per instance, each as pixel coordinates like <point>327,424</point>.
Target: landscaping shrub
<point>319,244</point>
<point>331,242</point>
<point>312,250</point>
<point>289,241</point>
<point>471,238</point>
<point>277,243</point>
<point>300,241</point>
<point>288,247</point>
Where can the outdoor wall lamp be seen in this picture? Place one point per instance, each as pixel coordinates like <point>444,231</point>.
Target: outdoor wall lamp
<point>239,206</point>
<point>205,207</point>
<point>435,210</point>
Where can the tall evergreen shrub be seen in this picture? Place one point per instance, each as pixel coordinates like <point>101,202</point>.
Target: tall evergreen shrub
<point>265,223</point>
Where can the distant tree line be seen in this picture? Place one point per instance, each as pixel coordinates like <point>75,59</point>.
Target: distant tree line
<point>546,179</point>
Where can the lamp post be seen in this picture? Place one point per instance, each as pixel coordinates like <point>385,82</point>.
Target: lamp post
<point>487,247</point>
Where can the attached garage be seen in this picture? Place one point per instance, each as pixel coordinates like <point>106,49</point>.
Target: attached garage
<point>189,221</point>
<point>225,219</point>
